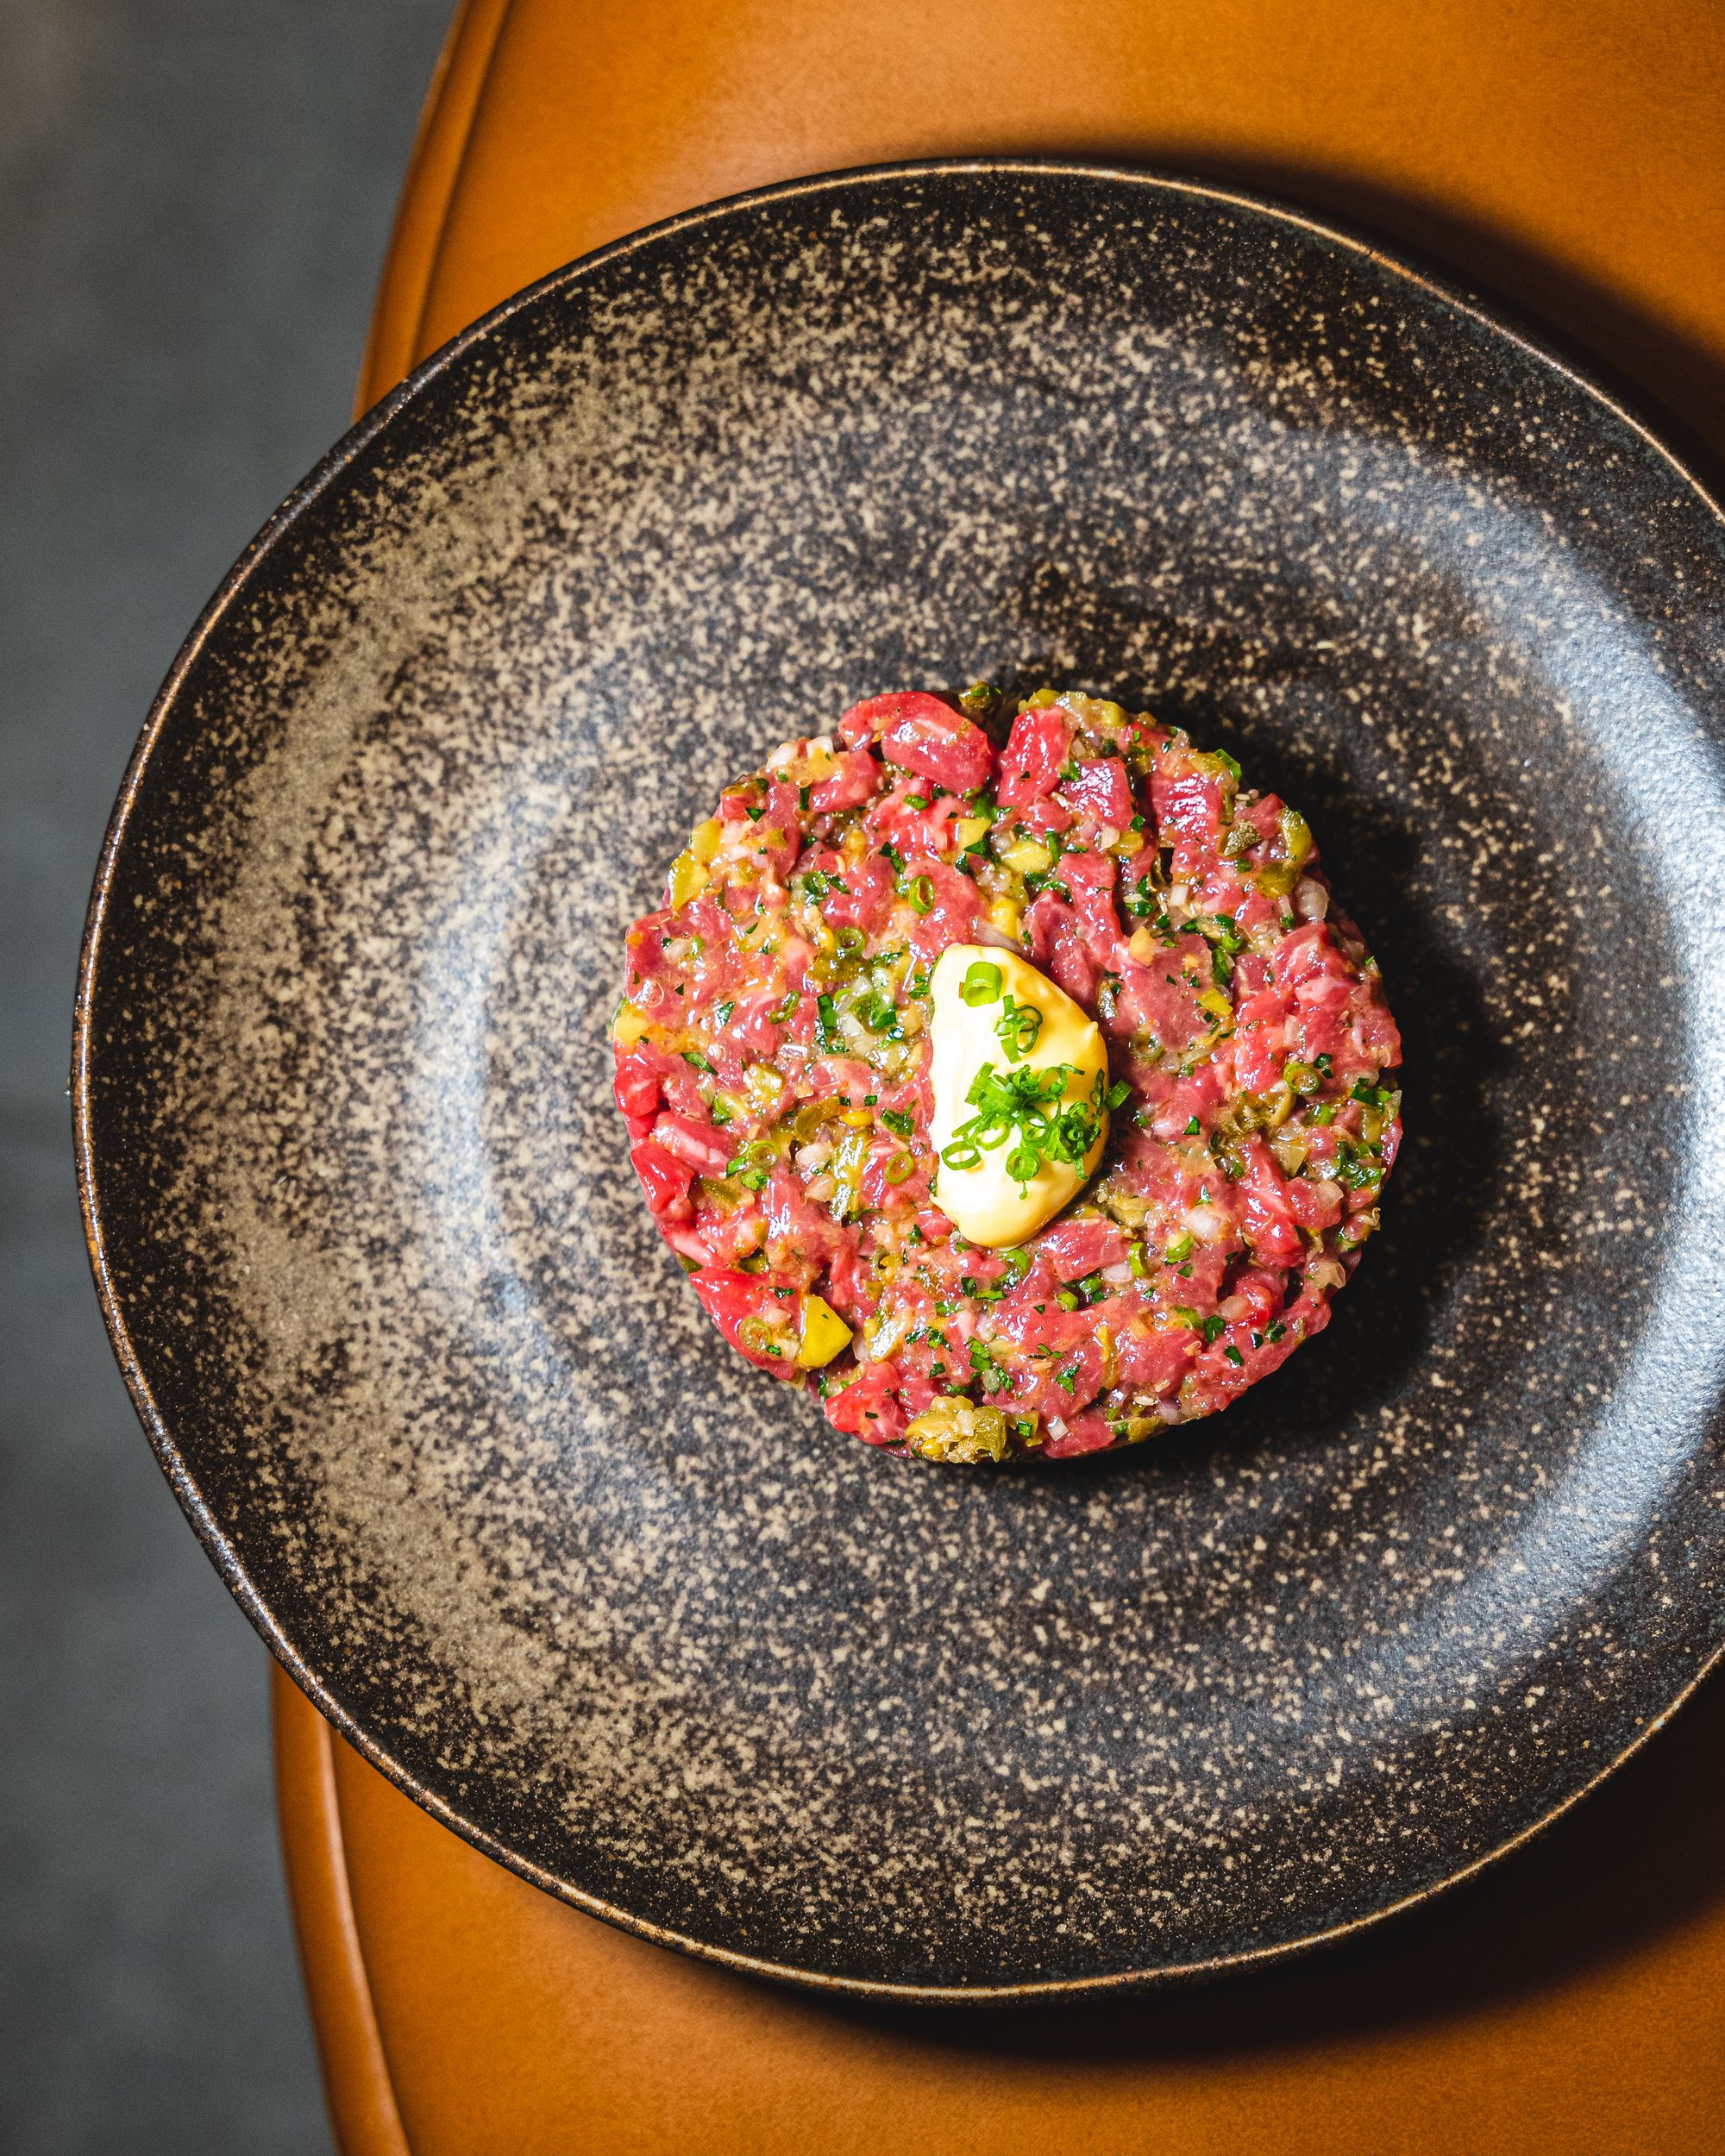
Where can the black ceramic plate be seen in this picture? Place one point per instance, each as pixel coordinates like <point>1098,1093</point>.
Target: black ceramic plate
<point>625,1613</point>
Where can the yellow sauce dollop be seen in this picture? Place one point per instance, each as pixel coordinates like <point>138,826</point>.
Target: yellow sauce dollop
<point>985,1202</point>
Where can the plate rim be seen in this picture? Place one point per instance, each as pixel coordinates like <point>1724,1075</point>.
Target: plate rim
<point>218,1546</point>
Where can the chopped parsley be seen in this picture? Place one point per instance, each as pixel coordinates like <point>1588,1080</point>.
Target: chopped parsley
<point>877,1012</point>
<point>984,1367</point>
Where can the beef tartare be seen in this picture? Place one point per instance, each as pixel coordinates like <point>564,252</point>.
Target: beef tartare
<point>1007,1075</point>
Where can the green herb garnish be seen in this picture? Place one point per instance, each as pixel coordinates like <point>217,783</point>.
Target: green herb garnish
<point>983,1366</point>
<point>1018,1026</point>
<point>1018,1107</point>
<point>876,1012</point>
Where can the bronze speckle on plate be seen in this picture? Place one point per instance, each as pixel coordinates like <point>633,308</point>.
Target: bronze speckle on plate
<point>438,1401</point>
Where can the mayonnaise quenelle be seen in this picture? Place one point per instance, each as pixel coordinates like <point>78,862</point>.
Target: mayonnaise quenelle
<point>1020,1075</point>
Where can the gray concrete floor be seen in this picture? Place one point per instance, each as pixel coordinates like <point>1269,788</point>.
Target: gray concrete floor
<point>194,200</point>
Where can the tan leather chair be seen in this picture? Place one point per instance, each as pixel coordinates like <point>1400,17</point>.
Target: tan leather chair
<point>1568,153</point>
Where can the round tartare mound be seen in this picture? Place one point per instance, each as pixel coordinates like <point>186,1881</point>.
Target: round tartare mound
<point>773,1053</point>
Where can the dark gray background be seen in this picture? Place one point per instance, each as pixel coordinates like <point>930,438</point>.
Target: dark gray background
<point>195,195</point>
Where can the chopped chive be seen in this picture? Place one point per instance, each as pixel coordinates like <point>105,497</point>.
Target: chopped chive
<point>981,984</point>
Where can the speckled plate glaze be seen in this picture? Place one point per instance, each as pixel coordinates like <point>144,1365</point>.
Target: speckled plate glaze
<point>632,1618</point>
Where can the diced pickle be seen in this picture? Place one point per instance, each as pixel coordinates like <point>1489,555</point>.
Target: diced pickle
<point>954,1428</point>
<point>1028,856</point>
<point>765,1086</point>
<point>1007,917</point>
<point>824,1334</point>
<point>689,879</point>
<point>1276,878</point>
